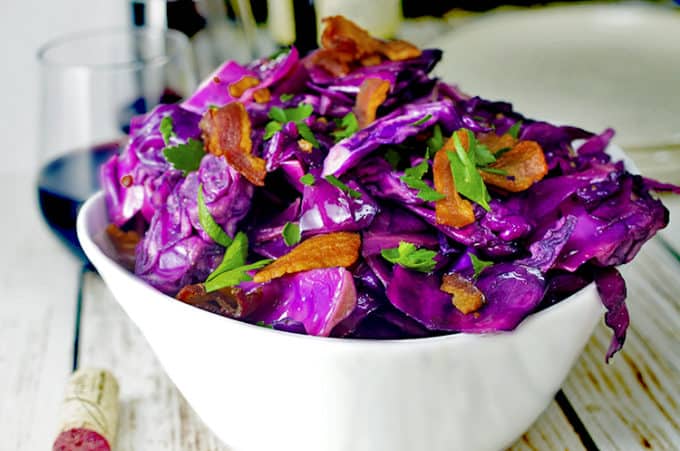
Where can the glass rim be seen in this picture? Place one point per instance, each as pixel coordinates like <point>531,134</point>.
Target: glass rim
<point>175,36</point>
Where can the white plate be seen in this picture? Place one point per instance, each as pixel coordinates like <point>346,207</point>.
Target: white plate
<point>594,66</point>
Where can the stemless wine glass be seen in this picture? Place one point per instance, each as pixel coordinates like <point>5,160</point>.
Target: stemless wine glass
<point>92,84</point>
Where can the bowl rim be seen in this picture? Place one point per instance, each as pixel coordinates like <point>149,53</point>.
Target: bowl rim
<point>99,258</point>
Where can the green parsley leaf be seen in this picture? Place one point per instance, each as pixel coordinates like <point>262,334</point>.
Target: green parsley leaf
<point>342,187</point>
<point>483,155</point>
<point>478,264</point>
<point>435,142</point>
<point>413,177</point>
<point>234,256</point>
<point>271,128</point>
<point>499,153</point>
<point>307,135</point>
<point>299,113</point>
<point>468,181</point>
<point>418,171</point>
<point>291,233</point>
<point>422,120</point>
<point>425,191</point>
<point>211,227</point>
<point>166,129</point>
<point>494,171</point>
<point>286,97</point>
<point>233,276</point>
<point>185,157</point>
<point>348,126</point>
<point>410,257</point>
<point>514,130</point>
<point>263,324</point>
<point>307,179</point>
<point>393,157</point>
<point>278,114</point>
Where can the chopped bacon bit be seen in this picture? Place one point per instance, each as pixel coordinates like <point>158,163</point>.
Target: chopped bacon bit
<point>262,95</point>
<point>524,164</point>
<point>126,180</point>
<point>372,94</point>
<point>466,296</point>
<point>345,46</point>
<point>226,132</point>
<point>124,243</point>
<point>345,36</point>
<point>495,142</point>
<point>305,145</point>
<point>370,60</point>
<point>453,210</point>
<point>230,301</point>
<point>398,50</point>
<point>237,88</point>
<point>334,62</point>
<point>321,251</point>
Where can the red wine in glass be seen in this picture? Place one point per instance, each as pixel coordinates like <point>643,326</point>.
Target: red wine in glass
<point>64,184</point>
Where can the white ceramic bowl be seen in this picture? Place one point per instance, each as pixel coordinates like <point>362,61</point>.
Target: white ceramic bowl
<point>263,390</point>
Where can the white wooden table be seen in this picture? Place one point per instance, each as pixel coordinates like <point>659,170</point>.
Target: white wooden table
<point>633,403</point>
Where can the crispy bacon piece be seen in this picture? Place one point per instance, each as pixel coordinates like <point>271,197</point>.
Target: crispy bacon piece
<point>453,210</point>
<point>332,61</point>
<point>345,36</point>
<point>237,88</point>
<point>525,165</point>
<point>230,301</point>
<point>398,50</point>
<point>321,251</point>
<point>495,142</point>
<point>262,95</point>
<point>466,296</point>
<point>372,94</point>
<point>345,45</point>
<point>226,132</point>
<point>125,244</point>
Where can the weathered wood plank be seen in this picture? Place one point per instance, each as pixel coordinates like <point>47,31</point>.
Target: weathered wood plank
<point>38,279</point>
<point>633,402</point>
<point>552,431</point>
<point>153,414</point>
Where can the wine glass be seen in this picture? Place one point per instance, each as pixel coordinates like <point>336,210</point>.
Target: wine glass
<point>92,83</point>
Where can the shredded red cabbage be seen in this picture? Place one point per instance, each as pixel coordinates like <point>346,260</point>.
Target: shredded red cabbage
<point>586,217</point>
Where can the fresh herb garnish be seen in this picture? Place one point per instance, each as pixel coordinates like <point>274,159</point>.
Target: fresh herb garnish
<point>347,126</point>
<point>409,256</point>
<point>478,265</point>
<point>307,179</point>
<point>233,270</point>
<point>307,135</point>
<point>211,227</point>
<point>463,164</point>
<point>413,177</point>
<point>234,276</point>
<point>494,171</point>
<point>435,142</point>
<point>514,130</point>
<point>291,233</point>
<point>185,157</point>
<point>280,116</point>
<point>166,128</point>
<point>271,128</point>
<point>338,184</point>
<point>422,120</point>
<point>263,324</point>
<point>286,97</point>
